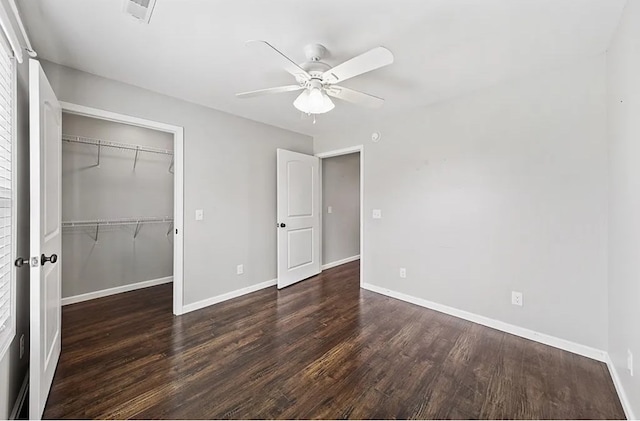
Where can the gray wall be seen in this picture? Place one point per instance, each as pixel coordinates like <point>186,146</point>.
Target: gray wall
<point>341,191</point>
<point>502,190</point>
<point>230,173</point>
<point>114,191</point>
<point>624,200</point>
<point>12,368</point>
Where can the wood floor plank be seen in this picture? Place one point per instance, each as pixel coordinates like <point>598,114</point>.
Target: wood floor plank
<point>319,349</point>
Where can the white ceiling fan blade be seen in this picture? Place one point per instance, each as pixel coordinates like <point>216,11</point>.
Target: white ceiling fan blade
<point>289,65</point>
<point>355,97</point>
<point>366,62</point>
<point>276,90</point>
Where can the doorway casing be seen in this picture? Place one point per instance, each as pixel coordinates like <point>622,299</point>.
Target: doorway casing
<point>178,183</point>
<point>339,152</point>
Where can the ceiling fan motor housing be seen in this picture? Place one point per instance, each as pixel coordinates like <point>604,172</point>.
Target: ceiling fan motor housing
<point>315,52</point>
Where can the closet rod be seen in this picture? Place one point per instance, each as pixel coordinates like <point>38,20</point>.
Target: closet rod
<point>110,144</point>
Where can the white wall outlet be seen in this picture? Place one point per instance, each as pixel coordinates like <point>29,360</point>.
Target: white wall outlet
<point>329,209</point>
<point>240,269</point>
<point>630,361</point>
<point>516,298</point>
<point>403,272</point>
<point>199,214</point>
<point>21,346</point>
<point>377,214</point>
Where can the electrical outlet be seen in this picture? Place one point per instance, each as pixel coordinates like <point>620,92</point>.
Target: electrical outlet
<point>240,269</point>
<point>516,298</point>
<point>199,214</point>
<point>377,214</point>
<point>630,361</point>
<point>403,272</point>
<point>329,209</point>
<point>21,346</point>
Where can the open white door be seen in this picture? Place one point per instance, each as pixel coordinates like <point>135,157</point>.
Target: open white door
<point>298,217</point>
<point>45,125</point>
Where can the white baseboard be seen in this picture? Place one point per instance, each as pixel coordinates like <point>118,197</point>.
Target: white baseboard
<point>340,262</point>
<point>227,296</point>
<point>20,400</point>
<point>117,290</point>
<point>624,400</point>
<point>553,341</point>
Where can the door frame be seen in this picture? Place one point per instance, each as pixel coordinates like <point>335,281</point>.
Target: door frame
<point>340,152</point>
<point>178,184</point>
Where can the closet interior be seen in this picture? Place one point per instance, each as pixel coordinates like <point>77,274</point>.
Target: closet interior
<point>117,207</point>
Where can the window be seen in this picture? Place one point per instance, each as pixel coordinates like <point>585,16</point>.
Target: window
<point>7,234</point>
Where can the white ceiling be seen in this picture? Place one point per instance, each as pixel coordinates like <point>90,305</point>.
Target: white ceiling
<point>194,49</point>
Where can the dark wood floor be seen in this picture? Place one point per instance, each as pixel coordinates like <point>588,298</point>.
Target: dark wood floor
<point>322,348</point>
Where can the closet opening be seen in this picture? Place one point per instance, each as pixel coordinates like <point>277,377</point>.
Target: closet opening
<point>342,216</point>
<point>121,205</point>
<point>340,209</point>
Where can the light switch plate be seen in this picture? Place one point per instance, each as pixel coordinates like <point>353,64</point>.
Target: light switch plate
<point>199,214</point>
<point>329,209</point>
<point>377,214</point>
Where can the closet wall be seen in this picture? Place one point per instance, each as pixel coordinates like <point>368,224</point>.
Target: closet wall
<point>114,190</point>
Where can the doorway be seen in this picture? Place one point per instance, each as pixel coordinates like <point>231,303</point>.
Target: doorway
<point>300,215</point>
<point>45,138</point>
<point>153,162</point>
<point>340,209</point>
<point>342,216</point>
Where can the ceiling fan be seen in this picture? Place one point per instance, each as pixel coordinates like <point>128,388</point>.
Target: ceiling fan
<point>318,80</point>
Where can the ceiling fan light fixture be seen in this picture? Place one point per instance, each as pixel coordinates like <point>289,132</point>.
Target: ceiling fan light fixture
<point>302,102</point>
<point>328,104</point>
<point>314,101</point>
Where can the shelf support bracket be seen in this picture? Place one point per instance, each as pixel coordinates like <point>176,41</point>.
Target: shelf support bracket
<point>99,150</point>
<point>135,234</point>
<point>135,160</point>
<point>171,165</point>
<point>170,228</point>
<point>97,230</point>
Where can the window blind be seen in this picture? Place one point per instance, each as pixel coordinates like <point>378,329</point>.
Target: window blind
<point>6,196</point>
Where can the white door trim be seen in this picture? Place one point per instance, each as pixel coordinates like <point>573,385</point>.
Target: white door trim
<point>339,152</point>
<point>178,184</point>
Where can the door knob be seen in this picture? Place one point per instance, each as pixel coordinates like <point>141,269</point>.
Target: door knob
<point>283,225</point>
<point>44,259</point>
<point>21,262</point>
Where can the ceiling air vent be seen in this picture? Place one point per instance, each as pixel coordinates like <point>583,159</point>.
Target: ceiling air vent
<point>139,9</point>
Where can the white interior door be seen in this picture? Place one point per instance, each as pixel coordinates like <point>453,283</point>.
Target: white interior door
<point>45,124</point>
<point>298,217</point>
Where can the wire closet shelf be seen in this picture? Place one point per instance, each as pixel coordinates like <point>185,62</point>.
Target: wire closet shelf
<point>138,222</point>
<point>99,143</point>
